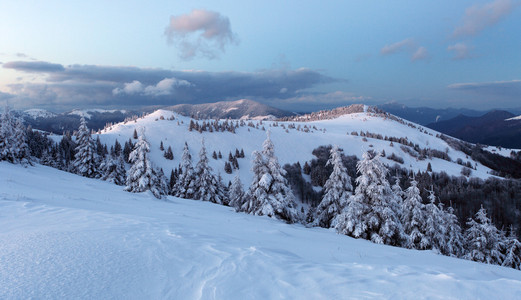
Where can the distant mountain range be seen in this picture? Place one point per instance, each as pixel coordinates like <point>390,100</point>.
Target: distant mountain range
<point>230,109</point>
<point>426,115</point>
<point>97,118</point>
<point>69,121</point>
<point>496,128</point>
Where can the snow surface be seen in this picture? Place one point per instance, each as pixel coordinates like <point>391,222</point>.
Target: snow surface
<point>39,113</point>
<point>68,237</point>
<point>514,118</point>
<point>86,113</point>
<point>292,147</point>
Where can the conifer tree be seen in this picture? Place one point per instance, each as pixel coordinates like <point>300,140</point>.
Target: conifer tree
<point>413,218</point>
<point>435,229</point>
<point>337,191</point>
<point>206,186</point>
<point>85,162</point>
<point>269,194</point>
<point>184,187</point>
<point>373,212</point>
<point>113,169</point>
<point>20,148</point>
<point>172,181</point>
<point>236,194</point>
<point>7,144</point>
<point>483,240</point>
<point>142,176</point>
<point>512,251</point>
<point>453,245</point>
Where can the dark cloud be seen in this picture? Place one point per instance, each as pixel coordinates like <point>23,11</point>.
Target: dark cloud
<point>504,89</point>
<point>34,66</point>
<point>200,33</point>
<point>83,85</point>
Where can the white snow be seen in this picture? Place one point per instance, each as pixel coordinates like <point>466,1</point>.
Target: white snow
<point>39,113</point>
<point>514,118</point>
<point>86,113</point>
<point>67,237</point>
<point>289,147</point>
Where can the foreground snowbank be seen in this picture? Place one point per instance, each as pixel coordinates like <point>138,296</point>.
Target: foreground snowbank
<point>64,236</point>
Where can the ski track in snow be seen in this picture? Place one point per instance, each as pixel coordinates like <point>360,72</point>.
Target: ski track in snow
<point>67,237</point>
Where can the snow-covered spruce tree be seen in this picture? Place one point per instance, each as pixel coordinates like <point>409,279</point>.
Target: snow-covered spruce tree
<point>7,151</point>
<point>435,229</point>
<point>483,240</point>
<point>184,187</point>
<point>337,191</point>
<point>373,213</point>
<point>453,236</point>
<point>236,194</point>
<point>413,218</point>
<point>269,193</point>
<point>397,191</point>
<point>85,157</point>
<point>19,142</point>
<point>512,251</point>
<point>113,169</point>
<point>206,185</point>
<point>142,176</point>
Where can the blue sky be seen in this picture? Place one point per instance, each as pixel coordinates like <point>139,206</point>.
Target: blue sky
<point>298,55</point>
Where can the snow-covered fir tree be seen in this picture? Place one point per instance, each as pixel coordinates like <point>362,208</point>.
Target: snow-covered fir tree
<point>337,191</point>
<point>162,182</point>
<point>453,236</point>
<point>142,176</point>
<point>413,218</point>
<point>6,133</point>
<point>206,185</point>
<point>512,251</point>
<point>20,147</point>
<point>185,187</point>
<point>269,193</point>
<point>236,193</point>
<point>483,240</point>
<point>85,160</point>
<point>397,191</point>
<point>373,213</point>
<point>435,229</point>
<point>13,140</point>
<point>113,169</point>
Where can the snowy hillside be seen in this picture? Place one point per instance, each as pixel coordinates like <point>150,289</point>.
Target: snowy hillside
<point>87,113</point>
<point>243,108</point>
<point>292,144</point>
<point>68,237</point>
<point>36,113</point>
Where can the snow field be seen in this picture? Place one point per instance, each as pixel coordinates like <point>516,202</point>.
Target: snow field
<point>65,236</point>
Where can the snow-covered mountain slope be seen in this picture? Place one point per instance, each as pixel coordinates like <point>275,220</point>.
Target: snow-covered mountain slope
<point>38,113</point>
<point>243,108</point>
<point>68,237</point>
<point>87,113</point>
<point>291,145</point>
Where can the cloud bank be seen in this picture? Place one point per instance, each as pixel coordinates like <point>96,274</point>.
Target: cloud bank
<point>200,33</point>
<point>83,85</point>
<point>34,66</point>
<point>509,89</point>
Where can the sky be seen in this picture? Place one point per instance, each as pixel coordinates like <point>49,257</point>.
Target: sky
<point>295,55</point>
